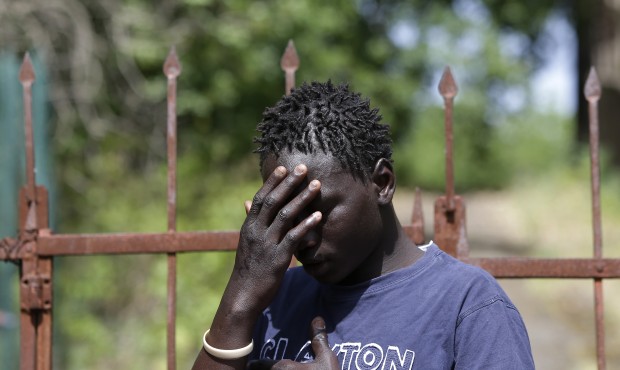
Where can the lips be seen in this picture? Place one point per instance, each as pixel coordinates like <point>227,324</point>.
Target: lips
<point>310,262</point>
<point>313,267</point>
<point>309,259</point>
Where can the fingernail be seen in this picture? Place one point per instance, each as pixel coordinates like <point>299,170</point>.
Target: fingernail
<point>300,169</point>
<point>280,170</point>
<point>317,215</point>
<point>314,184</point>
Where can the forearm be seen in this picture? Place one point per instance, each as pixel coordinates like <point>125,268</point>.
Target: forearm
<point>232,328</point>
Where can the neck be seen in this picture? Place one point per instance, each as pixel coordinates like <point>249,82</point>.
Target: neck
<point>398,250</point>
<point>394,252</point>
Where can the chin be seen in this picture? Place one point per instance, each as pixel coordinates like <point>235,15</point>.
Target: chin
<point>321,273</point>
<point>316,270</point>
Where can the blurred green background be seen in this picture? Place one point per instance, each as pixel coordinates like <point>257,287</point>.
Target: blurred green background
<point>100,117</point>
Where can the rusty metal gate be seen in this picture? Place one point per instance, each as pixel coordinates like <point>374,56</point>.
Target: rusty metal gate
<point>36,246</point>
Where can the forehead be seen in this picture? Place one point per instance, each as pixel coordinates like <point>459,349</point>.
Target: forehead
<point>320,166</point>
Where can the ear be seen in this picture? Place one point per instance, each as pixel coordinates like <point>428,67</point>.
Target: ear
<point>384,181</point>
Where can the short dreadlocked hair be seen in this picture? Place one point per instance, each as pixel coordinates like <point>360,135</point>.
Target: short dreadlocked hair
<point>332,119</point>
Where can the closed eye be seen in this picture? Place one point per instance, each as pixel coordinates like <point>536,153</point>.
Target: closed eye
<point>325,205</point>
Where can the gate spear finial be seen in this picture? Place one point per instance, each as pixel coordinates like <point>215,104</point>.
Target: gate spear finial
<point>26,71</point>
<point>592,89</point>
<point>289,64</point>
<point>172,67</point>
<point>447,86</point>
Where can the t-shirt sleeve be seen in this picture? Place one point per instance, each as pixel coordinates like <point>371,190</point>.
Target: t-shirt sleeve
<point>492,336</point>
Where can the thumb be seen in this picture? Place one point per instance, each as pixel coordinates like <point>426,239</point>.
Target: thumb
<point>320,345</point>
<point>264,364</point>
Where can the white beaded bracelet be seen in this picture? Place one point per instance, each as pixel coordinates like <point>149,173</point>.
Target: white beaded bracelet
<point>226,354</point>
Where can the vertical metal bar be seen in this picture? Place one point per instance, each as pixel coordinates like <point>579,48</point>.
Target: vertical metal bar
<point>289,64</point>
<point>44,329</point>
<point>172,310</point>
<point>44,270</point>
<point>172,69</point>
<point>35,288</point>
<point>27,340</point>
<point>417,219</point>
<point>600,323</point>
<point>450,231</point>
<point>448,90</point>
<point>26,78</point>
<point>28,321</point>
<point>592,92</point>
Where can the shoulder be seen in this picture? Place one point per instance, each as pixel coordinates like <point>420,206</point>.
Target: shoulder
<point>460,274</point>
<point>490,333</point>
<point>474,287</point>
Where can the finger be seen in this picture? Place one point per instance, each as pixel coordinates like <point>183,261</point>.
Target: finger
<point>277,198</point>
<point>291,211</point>
<point>287,365</point>
<point>293,237</point>
<point>320,344</point>
<point>264,364</point>
<point>271,183</point>
<point>247,205</point>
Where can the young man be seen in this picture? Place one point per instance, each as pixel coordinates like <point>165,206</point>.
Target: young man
<point>372,299</point>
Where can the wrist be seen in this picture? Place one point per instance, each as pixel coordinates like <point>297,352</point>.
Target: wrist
<point>238,310</point>
<point>247,295</point>
<point>226,354</point>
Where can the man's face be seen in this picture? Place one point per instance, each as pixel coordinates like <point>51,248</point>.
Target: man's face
<point>343,248</point>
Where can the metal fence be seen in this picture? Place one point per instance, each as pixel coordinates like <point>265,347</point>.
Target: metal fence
<point>36,246</point>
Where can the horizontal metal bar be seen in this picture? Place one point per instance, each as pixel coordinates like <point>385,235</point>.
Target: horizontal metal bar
<point>131,243</point>
<point>519,267</point>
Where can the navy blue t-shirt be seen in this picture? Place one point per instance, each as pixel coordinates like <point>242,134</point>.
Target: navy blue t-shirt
<point>438,313</point>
